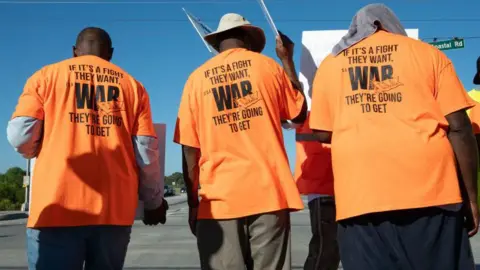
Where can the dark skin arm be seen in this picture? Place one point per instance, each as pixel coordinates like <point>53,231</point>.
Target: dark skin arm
<point>285,53</point>
<point>477,137</point>
<point>190,159</point>
<point>289,68</point>
<point>191,173</point>
<point>464,144</point>
<point>306,137</point>
<point>323,136</point>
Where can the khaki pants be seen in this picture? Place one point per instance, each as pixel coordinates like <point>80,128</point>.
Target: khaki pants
<point>258,242</point>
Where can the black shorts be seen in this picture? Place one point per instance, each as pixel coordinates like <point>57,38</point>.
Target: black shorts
<point>416,239</point>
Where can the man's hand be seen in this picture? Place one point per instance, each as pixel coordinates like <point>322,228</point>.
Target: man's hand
<point>192,219</point>
<point>159,215</point>
<point>284,47</point>
<point>472,219</point>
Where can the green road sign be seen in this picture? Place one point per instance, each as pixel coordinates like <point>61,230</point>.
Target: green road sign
<point>449,44</point>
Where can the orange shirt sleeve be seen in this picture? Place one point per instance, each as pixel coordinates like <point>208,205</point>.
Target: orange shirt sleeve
<point>321,115</point>
<point>450,93</point>
<point>143,123</point>
<point>30,102</point>
<point>291,99</point>
<point>186,126</point>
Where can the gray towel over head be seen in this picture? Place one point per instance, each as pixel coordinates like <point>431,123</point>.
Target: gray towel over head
<point>366,22</point>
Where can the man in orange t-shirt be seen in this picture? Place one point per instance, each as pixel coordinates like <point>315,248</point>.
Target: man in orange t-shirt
<point>393,109</point>
<point>475,119</point>
<point>314,178</point>
<point>229,126</point>
<point>89,125</point>
<point>474,113</point>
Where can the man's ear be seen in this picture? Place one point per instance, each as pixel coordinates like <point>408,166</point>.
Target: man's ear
<point>74,51</point>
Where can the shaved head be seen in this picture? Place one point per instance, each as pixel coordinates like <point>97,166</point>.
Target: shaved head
<point>93,41</point>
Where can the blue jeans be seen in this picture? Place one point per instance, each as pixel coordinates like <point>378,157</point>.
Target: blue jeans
<point>62,248</point>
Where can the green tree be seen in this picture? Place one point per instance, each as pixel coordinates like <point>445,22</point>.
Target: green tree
<point>12,193</point>
<point>15,176</point>
<point>176,178</point>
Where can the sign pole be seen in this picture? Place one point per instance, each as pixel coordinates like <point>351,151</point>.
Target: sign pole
<point>26,184</point>
<point>195,21</point>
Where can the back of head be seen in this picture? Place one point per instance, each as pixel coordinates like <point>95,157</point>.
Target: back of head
<point>381,16</point>
<point>233,38</point>
<point>93,41</point>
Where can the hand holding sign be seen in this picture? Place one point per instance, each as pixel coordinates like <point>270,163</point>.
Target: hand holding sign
<point>284,47</point>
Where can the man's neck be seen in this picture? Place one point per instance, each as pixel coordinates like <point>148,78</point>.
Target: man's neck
<point>231,44</point>
<point>223,49</point>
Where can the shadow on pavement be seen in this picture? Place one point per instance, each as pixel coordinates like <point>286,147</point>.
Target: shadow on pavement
<point>296,267</point>
<point>137,268</point>
<point>13,215</point>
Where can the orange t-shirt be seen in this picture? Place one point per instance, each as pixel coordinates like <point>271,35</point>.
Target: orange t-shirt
<point>385,101</point>
<point>313,165</point>
<point>85,173</point>
<point>231,109</point>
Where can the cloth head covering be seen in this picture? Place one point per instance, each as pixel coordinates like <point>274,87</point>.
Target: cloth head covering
<point>366,22</point>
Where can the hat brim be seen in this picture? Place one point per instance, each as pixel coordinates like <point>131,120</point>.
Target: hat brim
<point>258,37</point>
<point>476,79</point>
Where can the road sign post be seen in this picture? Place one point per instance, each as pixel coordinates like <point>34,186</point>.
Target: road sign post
<point>449,44</point>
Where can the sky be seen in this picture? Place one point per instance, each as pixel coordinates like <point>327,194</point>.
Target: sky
<point>155,43</point>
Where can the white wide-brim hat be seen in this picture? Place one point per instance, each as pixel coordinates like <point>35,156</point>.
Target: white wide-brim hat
<point>231,21</point>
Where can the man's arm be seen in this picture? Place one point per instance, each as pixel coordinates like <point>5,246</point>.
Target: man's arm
<point>25,135</point>
<point>191,173</point>
<point>284,50</point>
<point>477,137</point>
<point>465,148</point>
<point>25,128</point>
<point>323,136</point>
<point>475,120</point>
<point>289,67</point>
<point>311,137</point>
<point>146,149</point>
<point>151,180</point>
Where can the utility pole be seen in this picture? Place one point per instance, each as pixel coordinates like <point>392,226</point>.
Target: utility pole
<point>26,184</point>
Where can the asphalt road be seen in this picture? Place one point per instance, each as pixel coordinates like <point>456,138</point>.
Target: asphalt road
<point>170,246</point>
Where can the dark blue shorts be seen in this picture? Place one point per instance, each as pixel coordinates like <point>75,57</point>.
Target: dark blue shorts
<point>416,239</point>
<point>70,248</point>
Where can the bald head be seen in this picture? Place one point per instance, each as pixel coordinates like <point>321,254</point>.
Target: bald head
<point>93,41</point>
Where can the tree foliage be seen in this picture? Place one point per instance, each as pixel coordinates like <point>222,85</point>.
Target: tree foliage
<point>176,178</point>
<point>12,193</point>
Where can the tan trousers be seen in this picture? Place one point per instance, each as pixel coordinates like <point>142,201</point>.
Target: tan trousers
<point>258,242</point>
